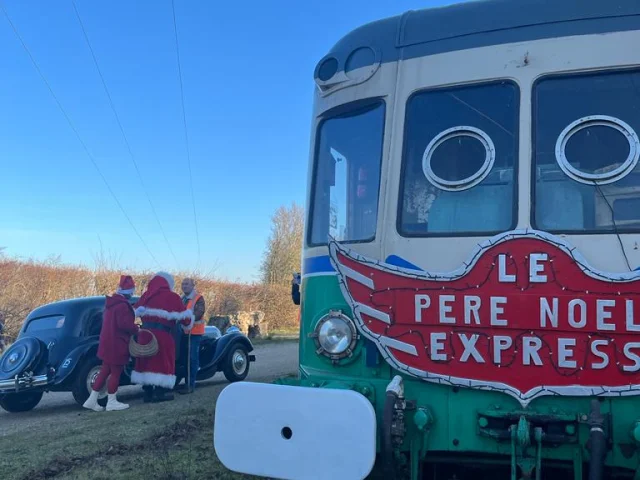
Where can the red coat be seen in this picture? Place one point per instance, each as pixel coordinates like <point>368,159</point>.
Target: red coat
<point>117,328</point>
<point>163,307</point>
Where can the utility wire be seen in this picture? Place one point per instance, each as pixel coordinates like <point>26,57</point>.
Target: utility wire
<point>75,131</point>
<point>193,201</point>
<point>184,121</point>
<point>124,136</point>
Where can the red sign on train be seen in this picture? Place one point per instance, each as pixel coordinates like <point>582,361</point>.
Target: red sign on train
<point>525,315</point>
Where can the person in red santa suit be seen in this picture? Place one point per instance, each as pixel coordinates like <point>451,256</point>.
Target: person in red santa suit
<point>161,310</point>
<point>117,328</point>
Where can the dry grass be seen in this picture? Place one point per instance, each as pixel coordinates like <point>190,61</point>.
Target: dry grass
<point>163,441</point>
<point>29,284</point>
<point>169,441</point>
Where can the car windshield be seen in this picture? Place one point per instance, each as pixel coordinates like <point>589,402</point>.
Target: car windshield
<point>347,181</point>
<point>458,173</point>
<point>586,152</point>
<point>52,322</point>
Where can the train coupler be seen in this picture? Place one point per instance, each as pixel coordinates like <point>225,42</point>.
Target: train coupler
<point>521,446</point>
<point>527,431</point>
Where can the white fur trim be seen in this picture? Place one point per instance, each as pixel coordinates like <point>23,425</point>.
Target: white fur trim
<point>157,312</point>
<point>152,378</point>
<point>125,292</point>
<point>186,328</point>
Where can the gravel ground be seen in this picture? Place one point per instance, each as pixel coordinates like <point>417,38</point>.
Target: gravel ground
<point>272,360</point>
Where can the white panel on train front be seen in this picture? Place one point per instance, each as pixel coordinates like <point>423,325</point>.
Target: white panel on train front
<point>296,433</point>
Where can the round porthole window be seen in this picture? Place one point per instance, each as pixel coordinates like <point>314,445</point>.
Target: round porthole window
<point>359,58</point>
<point>458,158</point>
<point>597,150</point>
<point>327,69</point>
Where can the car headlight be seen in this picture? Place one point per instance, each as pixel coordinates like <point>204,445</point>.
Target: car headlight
<point>335,336</point>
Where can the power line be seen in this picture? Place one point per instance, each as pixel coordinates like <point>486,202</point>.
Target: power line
<point>184,121</point>
<point>186,138</point>
<point>124,136</point>
<point>75,131</point>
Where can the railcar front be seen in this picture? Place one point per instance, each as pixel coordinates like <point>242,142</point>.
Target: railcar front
<point>469,294</point>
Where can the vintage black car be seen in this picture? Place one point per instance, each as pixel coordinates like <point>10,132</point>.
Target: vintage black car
<point>57,346</point>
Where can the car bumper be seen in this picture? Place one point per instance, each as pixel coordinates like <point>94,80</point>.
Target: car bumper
<point>20,383</point>
<point>286,429</point>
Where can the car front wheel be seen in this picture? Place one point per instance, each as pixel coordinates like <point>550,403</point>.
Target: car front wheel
<point>20,402</point>
<point>84,380</point>
<point>237,364</point>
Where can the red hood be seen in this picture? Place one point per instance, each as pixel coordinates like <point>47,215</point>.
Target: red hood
<point>156,285</point>
<point>116,299</point>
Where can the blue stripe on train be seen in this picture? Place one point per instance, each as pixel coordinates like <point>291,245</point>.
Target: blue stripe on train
<point>401,262</point>
<point>322,264</point>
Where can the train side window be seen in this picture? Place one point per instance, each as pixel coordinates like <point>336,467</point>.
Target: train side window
<point>459,163</point>
<point>586,174</point>
<point>344,202</point>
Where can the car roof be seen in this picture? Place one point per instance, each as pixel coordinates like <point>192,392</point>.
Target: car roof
<point>64,307</point>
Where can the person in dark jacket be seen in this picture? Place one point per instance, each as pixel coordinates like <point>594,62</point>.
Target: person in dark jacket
<point>118,325</point>
<point>191,338</point>
<point>295,289</point>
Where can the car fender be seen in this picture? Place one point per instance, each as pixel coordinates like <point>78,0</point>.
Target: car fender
<point>71,362</point>
<point>226,343</point>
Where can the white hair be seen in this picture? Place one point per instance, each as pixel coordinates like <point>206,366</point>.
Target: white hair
<point>168,277</point>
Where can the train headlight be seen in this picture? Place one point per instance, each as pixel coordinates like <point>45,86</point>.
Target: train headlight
<point>335,336</point>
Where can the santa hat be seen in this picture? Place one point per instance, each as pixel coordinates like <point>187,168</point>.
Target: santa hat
<point>168,277</point>
<point>126,286</point>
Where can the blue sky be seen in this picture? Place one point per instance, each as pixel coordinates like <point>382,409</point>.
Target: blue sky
<point>247,70</point>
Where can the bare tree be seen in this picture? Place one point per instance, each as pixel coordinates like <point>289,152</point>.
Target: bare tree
<point>284,246</point>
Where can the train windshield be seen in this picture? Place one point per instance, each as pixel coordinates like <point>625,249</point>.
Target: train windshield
<point>347,176</point>
<point>459,163</point>
<point>586,152</point>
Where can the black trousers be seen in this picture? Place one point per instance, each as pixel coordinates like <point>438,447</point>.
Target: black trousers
<point>182,351</point>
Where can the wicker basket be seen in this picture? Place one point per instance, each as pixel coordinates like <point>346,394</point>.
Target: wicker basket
<point>139,351</point>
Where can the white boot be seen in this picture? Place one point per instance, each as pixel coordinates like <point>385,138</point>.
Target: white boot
<point>113,404</point>
<point>103,393</point>
<point>92,402</point>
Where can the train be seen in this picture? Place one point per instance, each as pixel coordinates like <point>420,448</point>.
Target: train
<point>469,297</point>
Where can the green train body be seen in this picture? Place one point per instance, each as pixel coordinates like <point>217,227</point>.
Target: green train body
<point>494,141</point>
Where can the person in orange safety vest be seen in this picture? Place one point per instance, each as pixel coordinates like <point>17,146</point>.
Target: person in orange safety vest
<point>194,302</point>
